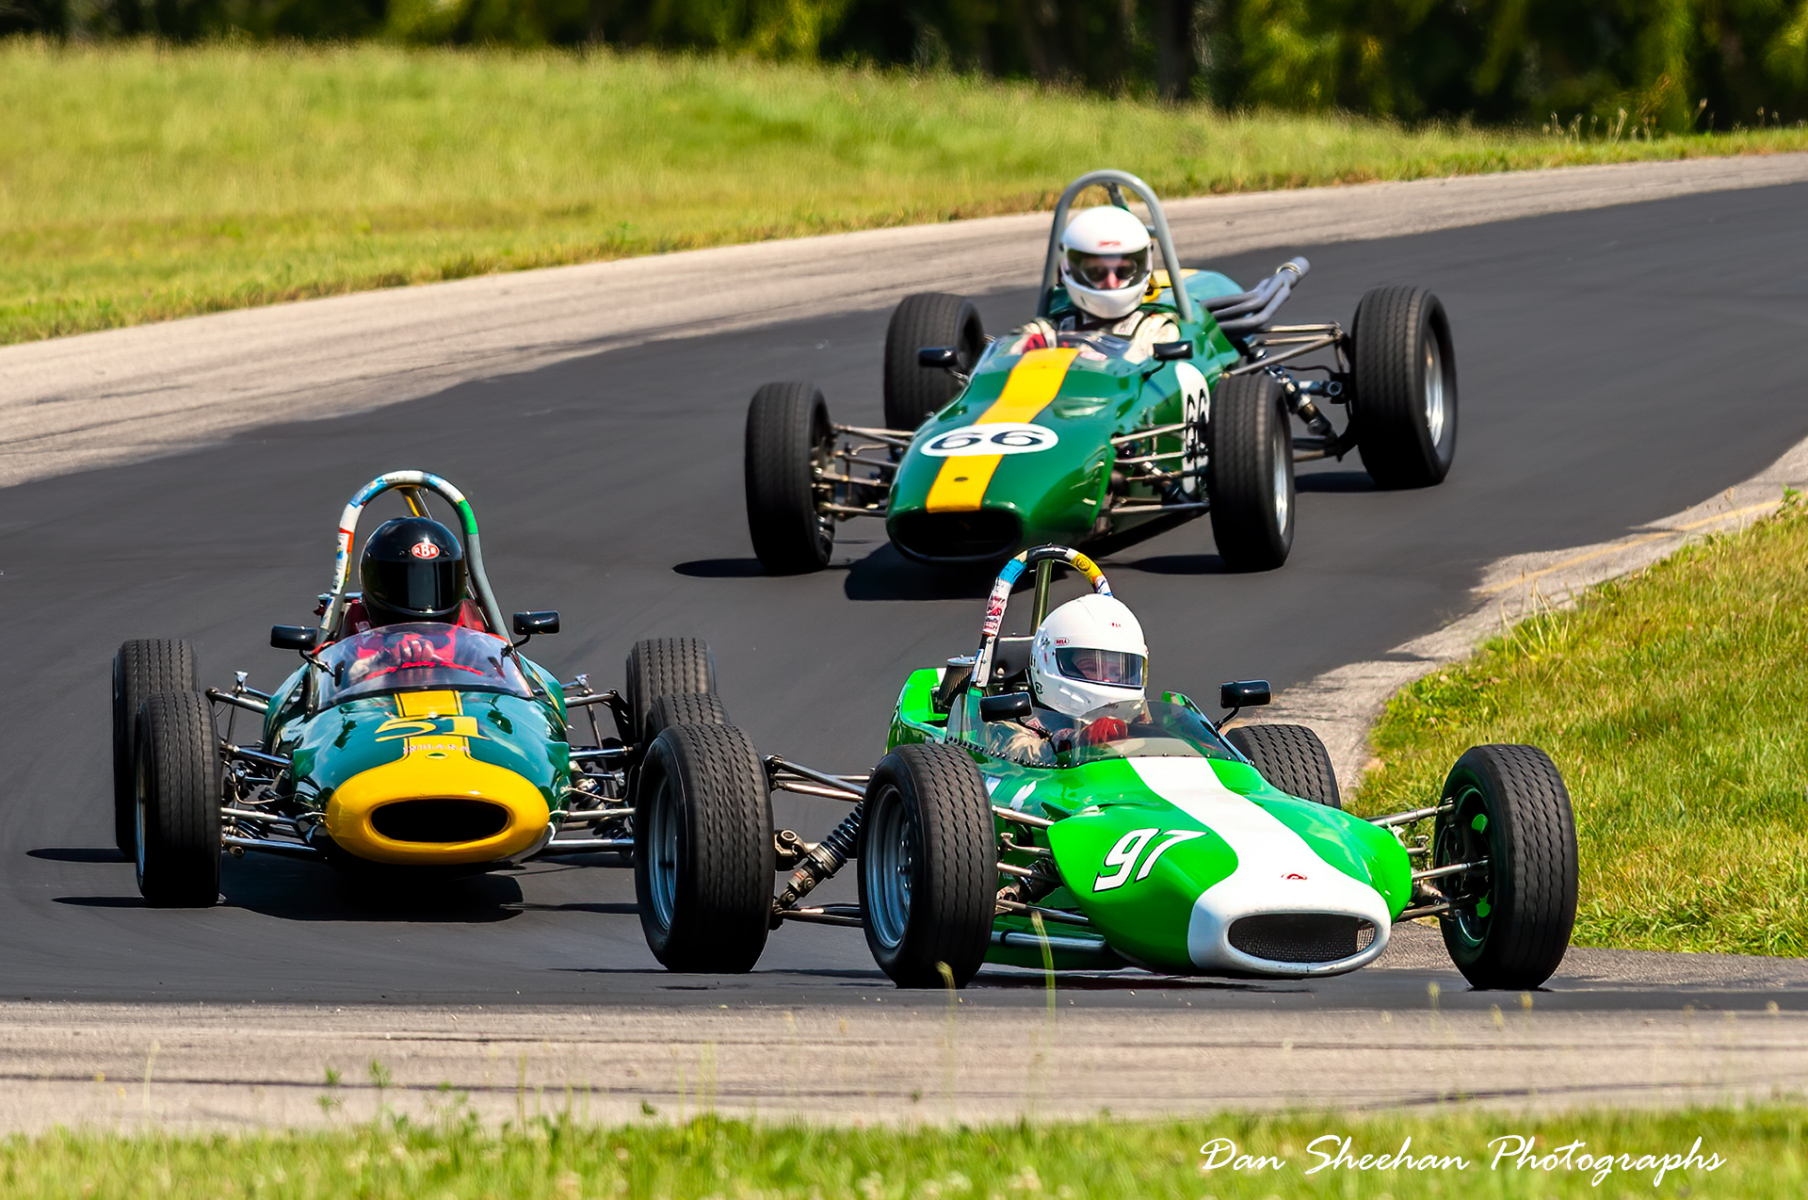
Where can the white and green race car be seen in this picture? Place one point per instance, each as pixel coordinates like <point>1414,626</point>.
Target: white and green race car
<point>1145,835</point>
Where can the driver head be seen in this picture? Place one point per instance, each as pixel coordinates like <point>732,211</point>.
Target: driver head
<point>1088,653</point>
<point>1105,261</point>
<point>413,569</point>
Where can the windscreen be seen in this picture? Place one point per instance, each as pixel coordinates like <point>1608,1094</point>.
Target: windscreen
<point>1133,729</point>
<point>418,656</point>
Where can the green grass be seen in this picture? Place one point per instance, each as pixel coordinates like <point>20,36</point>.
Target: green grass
<point>140,182</point>
<point>1762,1152</point>
<point>1676,704</point>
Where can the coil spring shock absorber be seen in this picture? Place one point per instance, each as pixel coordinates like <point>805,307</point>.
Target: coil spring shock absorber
<point>819,862</point>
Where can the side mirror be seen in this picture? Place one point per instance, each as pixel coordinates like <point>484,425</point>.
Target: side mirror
<point>1172,351</point>
<point>294,637</point>
<point>529,623</point>
<point>1249,693</point>
<point>938,356</point>
<point>1012,706</point>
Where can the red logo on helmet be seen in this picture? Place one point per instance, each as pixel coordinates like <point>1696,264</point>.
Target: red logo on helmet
<point>1102,245</point>
<point>424,550</point>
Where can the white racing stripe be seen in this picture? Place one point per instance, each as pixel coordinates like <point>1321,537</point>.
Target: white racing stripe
<point>1277,871</point>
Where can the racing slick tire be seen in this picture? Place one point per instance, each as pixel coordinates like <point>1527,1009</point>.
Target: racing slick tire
<point>141,669</point>
<point>666,667</point>
<point>912,392</point>
<point>177,773</point>
<point>789,442</point>
<point>1249,474</point>
<point>1291,758</point>
<point>928,866</point>
<point>703,850</point>
<point>1513,809</point>
<point>1404,378</point>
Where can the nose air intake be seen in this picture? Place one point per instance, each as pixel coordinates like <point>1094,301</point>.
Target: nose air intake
<point>1301,937</point>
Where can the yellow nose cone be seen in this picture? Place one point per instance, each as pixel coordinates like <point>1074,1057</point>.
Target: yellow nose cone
<point>436,806</point>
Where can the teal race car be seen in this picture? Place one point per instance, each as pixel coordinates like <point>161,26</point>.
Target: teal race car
<point>1167,842</point>
<point>423,749</point>
<point>1077,435</point>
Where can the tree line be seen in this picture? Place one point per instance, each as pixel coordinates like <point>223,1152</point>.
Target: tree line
<point>1613,67</point>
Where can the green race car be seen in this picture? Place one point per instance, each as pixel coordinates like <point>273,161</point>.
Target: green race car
<point>1076,432</point>
<point>1148,835</point>
<point>430,747</point>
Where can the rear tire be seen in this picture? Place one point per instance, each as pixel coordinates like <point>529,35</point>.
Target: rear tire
<point>928,866</point>
<point>684,708</point>
<point>1519,929</point>
<point>1291,758</point>
<point>914,393</point>
<point>703,850</point>
<point>1249,476</point>
<point>666,667</point>
<point>141,669</point>
<point>177,810</point>
<point>1404,406</point>
<point>789,442</point>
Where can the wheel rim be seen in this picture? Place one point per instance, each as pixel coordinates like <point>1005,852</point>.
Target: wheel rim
<point>889,860</point>
<point>1458,840</point>
<point>1434,391</point>
<point>139,776</point>
<point>1283,494</point>
<point>823,464</point>
<point>662,853</point>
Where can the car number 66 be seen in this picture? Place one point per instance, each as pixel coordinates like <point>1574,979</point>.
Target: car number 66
<point>1013,438</point>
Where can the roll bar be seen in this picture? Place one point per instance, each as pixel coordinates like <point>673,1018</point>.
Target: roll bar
<point>1043,558</point>
<point>410,484</point>
<point>1115,182</point>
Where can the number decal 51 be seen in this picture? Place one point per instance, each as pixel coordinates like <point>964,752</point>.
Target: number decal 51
<point>1130,847</point>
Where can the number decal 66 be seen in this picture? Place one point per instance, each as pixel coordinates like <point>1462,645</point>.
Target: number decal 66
<point>1012,438</point>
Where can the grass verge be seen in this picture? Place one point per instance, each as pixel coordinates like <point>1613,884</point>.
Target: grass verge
<point>1759,1151</point>
<point>1674,702</point>
<point>139,182</point>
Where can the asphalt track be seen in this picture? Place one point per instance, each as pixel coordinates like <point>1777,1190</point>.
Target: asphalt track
<point>1617,365</point>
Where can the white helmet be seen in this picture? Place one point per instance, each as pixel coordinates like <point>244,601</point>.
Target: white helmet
<point>1105,256</point>
<point>1088,653</point>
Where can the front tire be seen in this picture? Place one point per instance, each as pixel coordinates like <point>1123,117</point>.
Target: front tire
<point>141,669</point>
<point>1292,758</point>
<point>666,667</point>
<point>1513,809</point>
<point>177,809</point>
<point>914,393</point>
<point>790,442</point>
<point>1249,475</point>
<point>703,850</point>
<point>1405,387</point>
<point>928,866</point>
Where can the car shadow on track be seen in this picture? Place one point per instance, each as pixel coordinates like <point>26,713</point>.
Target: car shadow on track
<point>311,892</point>
<point>78,854</point>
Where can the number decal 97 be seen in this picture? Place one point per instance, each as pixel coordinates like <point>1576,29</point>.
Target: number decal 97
<point>1012,438</point>
<point>1129,848</point>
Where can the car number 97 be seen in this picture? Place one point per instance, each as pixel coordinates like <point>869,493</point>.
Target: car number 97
<point>1016,438</point>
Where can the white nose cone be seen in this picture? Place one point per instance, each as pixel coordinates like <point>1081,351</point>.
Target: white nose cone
<point>1295,908</point>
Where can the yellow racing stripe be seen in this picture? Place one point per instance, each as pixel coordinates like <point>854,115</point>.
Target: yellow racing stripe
<point>428,704</point>
<point>961,483</point>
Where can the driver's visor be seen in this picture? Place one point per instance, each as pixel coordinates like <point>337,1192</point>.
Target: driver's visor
<point>1118,668</point>
<point>1109,272</point>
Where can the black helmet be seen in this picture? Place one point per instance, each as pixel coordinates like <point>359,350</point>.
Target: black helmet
<point>413,569</point>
